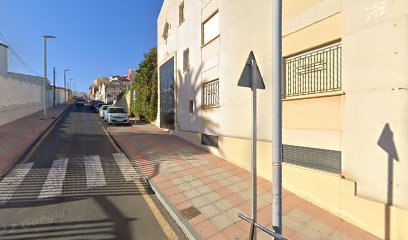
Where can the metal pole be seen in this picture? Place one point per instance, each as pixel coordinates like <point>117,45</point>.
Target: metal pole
<point>252,233</point>
<point>54,87</point>
<point>277,114</point>
<point>45,78</point>
<point>65,85</point>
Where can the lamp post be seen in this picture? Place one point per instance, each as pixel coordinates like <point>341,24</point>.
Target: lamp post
<point>65,84</point>
<point>45,74</point>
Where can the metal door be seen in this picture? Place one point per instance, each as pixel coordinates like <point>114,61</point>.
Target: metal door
<point>167,95</point>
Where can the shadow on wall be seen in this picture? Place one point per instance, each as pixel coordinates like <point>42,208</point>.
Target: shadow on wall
<point>191,82</point>
<point>386,143</point>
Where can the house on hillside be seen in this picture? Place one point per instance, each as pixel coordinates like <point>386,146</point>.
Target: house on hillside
<point>107,89</point>
<point>344,96</point>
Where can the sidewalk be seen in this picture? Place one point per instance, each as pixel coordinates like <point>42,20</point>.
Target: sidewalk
<point>206,192</point>
<point>17,136</point>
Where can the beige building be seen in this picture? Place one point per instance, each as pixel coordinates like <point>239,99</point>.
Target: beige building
<point>345,130</point>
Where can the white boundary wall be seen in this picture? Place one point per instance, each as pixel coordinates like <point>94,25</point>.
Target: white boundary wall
<point>21,95</point>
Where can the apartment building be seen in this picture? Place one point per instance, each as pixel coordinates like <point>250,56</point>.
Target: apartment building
<point>345,97</point>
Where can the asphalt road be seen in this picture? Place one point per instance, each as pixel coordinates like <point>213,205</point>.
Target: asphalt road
<point>75,185</point>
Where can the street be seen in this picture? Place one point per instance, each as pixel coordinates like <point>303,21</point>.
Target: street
<point>76,185</point>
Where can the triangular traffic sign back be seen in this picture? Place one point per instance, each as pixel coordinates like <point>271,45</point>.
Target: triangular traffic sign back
<point>245,79</point>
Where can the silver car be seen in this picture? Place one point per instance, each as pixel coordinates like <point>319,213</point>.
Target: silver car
<point>115,115</point>
<point>102,110</point>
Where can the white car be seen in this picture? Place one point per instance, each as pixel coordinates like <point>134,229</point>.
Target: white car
<point>116,115</point>
<point>102,110</point>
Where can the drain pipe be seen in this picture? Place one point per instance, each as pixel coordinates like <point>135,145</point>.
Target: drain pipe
<point>277,115</point>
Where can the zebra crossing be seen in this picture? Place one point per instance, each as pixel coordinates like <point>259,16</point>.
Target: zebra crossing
<point>57,176</point>
<point>13,180</point>
<point>94,172</point>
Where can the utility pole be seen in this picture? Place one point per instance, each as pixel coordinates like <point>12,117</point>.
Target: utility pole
<point>71,85</point>
<point>277,115</point>
<point>54,88</point>
<point>65,84</point>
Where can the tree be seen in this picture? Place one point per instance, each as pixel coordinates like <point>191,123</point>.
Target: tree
<point>145,84</point>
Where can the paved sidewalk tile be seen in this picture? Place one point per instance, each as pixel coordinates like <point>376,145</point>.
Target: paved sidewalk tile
<point>210,192</point>
<point>18,135</point>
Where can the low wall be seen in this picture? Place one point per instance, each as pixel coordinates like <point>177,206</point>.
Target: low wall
<point>21,95</point>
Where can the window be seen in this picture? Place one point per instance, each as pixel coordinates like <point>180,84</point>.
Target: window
<point>211,28</point>
<point>191,106</point>
<point>186,60</point>
<point>312,72</point>
<point>181,13</point>
<point>211,94</point>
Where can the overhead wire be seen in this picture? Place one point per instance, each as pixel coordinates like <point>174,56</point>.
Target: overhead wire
<point>17,56</point>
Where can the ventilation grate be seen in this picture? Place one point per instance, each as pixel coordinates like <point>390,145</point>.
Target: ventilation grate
<point>190,212</point>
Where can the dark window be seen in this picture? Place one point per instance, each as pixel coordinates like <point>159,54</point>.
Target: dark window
<point>186,60</point>
<point>167,95</point>
<point>191,106</point>
<point>211,94</point>
<point>314,71</point>
<point>209,140</point>
<point>116,110</point>
<point>181,13</point>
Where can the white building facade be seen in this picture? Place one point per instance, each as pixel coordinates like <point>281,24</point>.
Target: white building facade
<point>345,98</point>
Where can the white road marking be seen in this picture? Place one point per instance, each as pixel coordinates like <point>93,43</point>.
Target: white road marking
<point>10,183</point>
<point>94,172</point>
<point>128,171</point>
<point>53,184</point>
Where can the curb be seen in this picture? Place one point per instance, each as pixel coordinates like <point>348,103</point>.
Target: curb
<point>29,146</point>
<point>171,209</point>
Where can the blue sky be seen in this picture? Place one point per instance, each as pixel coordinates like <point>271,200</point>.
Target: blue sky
<point>94,37</point>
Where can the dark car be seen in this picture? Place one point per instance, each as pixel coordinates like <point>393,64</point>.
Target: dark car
<point>93,105</point>
<point>97,106</point>
<point>80,102</point>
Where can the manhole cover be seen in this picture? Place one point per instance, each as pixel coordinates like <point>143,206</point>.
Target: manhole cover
<point>190,212</point>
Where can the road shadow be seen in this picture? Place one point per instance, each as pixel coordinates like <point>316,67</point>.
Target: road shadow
<point>52,226</point>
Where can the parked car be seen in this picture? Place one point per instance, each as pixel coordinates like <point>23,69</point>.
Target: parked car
<point>80,102</point>
<point>102,110</point>
<point>97,106</point>
<point>93,104</point>
<point>116,115</point>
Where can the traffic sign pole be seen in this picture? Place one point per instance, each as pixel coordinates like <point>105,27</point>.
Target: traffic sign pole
<point>252,233</point>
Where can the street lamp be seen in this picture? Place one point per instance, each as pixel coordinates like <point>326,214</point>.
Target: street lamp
<point>65,84</point>
<point>45,73</point>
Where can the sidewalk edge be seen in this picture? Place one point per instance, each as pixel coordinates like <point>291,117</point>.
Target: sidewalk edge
<point>171,209</point>
<point>11,164</point>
